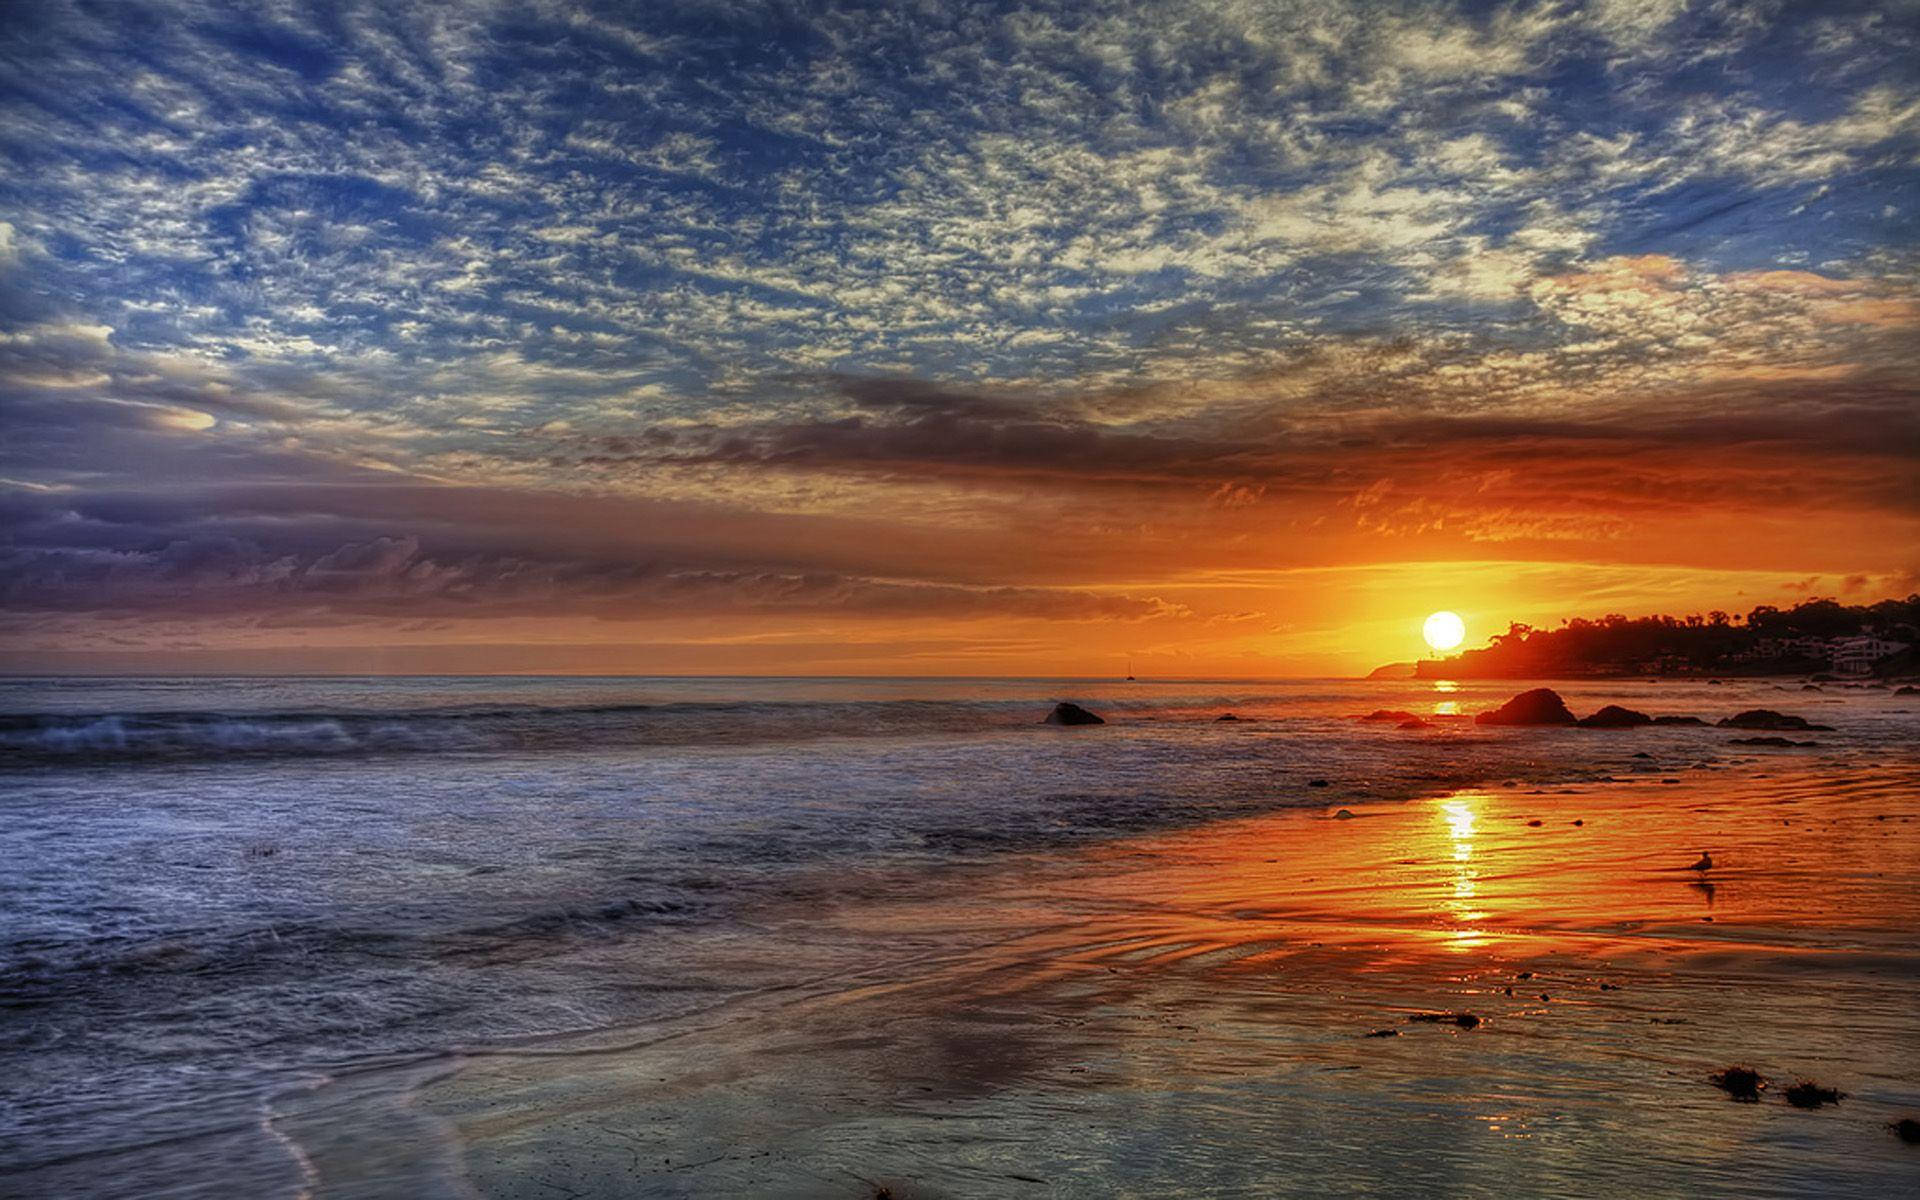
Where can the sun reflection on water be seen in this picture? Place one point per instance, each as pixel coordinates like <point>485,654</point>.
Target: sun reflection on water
<point>1460,815</point>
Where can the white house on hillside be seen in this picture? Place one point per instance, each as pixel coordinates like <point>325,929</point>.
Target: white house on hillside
<point>1856,655</point>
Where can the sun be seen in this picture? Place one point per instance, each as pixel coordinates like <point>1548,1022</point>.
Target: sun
<point>1444,630</point>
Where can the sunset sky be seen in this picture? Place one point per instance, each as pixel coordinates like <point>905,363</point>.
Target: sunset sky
<point>943,337</point>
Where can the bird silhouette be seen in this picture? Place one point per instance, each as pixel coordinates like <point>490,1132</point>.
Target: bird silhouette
<point>1705,863</point>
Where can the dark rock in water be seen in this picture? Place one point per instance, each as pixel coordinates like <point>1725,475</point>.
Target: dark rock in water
<point>1810,687</point>
<point>1769,741</point>
<point>1766,718</point>
<point>1541,706</point>
<point>1414,723</point>
<point>1072,714</point>
<point>1464,1020</point>
<point>1345,814</point>
<point>1678,721</point>
<point>1907,690</point>
<point>1389,714</point>
<point>1226,717</point>
<point>1615,717</point>
<point>1383,1033</point>
<point>1318,783</point>
<point>1907,1130</point>
<point>1807,1094</point>
<point>1742,1083</point>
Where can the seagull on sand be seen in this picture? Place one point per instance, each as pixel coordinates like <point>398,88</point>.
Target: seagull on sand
<point>1705,863</point>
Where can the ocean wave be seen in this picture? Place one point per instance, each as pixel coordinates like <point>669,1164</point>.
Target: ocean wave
<point>37,971</point>
<point>46,971</point>
<point>28,738</point>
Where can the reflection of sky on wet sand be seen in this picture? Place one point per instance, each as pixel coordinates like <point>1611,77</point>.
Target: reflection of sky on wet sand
<point>1190,1008</point>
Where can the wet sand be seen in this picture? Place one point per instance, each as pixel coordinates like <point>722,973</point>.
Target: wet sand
<point>1189,1012</point>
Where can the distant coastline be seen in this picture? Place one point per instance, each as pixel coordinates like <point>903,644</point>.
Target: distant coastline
<point>1451,669</point>
<point>1821,637</point>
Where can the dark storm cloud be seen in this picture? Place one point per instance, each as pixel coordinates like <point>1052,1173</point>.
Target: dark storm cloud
<point>1828,446</point>
<point>179,556</point>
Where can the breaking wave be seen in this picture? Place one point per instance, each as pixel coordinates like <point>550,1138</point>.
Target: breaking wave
<point>29,738</point>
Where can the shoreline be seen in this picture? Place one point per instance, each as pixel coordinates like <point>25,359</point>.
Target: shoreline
<point>1203,960</point>
<point>995,867</point>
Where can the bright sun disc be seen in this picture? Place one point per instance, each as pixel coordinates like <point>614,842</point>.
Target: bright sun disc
<point>1445,630</point>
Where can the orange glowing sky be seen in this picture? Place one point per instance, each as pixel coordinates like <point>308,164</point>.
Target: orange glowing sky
<point>1022,339</point>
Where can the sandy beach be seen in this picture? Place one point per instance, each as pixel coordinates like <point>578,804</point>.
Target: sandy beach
<point>1193,1010</point>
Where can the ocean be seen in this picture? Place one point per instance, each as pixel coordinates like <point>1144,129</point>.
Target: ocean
<point>220,893</point>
